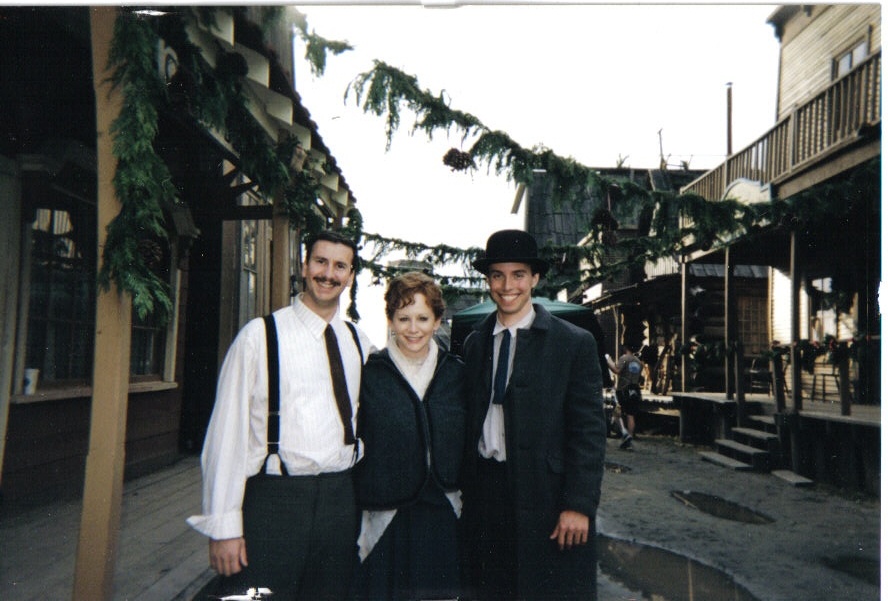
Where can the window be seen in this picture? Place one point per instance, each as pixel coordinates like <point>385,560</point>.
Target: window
<point>822,320</point>
<point>61,304</point>
<point>846,61</point>
<point>249,292</point>
<point>148,345</point>
<point>59,279</point>
<point>752,324</point>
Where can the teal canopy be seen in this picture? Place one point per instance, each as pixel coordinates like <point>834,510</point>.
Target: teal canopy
<point>472,314</point>
<point>584,317</point>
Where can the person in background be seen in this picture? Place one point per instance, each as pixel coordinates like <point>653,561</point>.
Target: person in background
<point>628,370</point>
<point>279,506</point>
<point>536,440</point>
<point>412,422</point>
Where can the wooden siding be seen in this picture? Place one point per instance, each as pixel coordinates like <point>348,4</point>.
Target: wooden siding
<point>806,59</point>
<point>662,266</point>
<point>47,443</point>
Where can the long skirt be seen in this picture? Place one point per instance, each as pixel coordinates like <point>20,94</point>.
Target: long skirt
<point>416,558</point>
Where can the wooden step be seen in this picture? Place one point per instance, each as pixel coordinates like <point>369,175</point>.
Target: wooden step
<point>793,478</point>
<point>757,458</point>
<point>763,422</point>
<point>756,438</point>
<point>724,461</point>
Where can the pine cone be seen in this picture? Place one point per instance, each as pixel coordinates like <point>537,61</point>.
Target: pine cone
<point>458,160</point>
<point>151,253</point>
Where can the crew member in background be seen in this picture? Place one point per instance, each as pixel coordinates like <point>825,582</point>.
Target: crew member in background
<point>628,370</point>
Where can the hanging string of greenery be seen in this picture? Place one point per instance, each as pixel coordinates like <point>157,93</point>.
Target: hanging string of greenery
<point>669,223</point>
<point>215,97</point>
<point>317,47</point>
<point>385,91</point>
<point>142,180</point>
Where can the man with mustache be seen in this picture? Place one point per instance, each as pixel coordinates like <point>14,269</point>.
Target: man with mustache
<point>278,501</point>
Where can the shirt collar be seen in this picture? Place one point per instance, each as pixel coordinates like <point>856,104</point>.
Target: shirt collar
<point>312,321</point>
<point>521,324</point>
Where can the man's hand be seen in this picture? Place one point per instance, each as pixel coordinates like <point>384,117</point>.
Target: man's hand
<point>572,529</point>
<point>228,556</point>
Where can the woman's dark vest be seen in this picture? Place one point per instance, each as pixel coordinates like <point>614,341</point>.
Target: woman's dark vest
<point>408,441</point>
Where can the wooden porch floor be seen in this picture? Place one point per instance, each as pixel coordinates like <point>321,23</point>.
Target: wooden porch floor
<point>160,558</point>
<point>860,414</point>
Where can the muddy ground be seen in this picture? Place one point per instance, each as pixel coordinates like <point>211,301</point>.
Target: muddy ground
<point>812,543</point>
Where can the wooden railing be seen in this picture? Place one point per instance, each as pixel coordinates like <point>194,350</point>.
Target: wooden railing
<point>829,119</point>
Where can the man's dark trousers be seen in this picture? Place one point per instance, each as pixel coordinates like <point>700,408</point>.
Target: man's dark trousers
<point>301,534</point>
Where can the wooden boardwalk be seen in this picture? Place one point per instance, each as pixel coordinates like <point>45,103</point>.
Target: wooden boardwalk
<point>159,558</point>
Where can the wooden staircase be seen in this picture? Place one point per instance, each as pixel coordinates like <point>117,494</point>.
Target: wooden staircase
<point>754,447</point>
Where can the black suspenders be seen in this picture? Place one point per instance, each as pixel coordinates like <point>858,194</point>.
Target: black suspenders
<point>273,436</point>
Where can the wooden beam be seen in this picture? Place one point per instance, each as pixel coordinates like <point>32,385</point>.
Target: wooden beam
<point>280,252</point>
<point>236,213</point>
<point>103,486</point>
<point>11,230</point>
<point>280,257</point>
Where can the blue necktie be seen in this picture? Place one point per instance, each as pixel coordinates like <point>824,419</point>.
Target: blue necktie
<point>502,369</point>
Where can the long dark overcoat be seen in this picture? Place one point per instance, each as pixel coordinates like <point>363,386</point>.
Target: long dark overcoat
<point>555,445</point>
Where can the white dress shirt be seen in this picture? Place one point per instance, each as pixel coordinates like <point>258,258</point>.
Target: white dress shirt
<point>311,431</point>
<point>493,434</point>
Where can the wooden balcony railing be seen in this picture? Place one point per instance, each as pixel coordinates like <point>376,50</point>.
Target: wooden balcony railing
<point>827,121</point>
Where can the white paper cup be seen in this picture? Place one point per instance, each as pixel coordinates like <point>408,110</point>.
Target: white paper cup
<point>30,383</point>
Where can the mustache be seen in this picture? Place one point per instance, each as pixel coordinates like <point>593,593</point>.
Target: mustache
<point>325,280</point>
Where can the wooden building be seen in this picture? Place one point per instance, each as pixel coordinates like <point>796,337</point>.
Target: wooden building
<point>640,307</point>
<point>828,132</point>
<point>822,161</point>
<point>229,254</point>
<point>787,310</point>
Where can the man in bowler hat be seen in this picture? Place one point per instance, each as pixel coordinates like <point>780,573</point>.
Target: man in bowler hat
<point>536,440</point>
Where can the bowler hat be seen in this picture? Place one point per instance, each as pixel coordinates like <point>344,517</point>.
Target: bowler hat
<point>511,246</point>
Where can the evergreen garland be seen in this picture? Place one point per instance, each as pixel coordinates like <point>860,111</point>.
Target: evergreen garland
<point>852,202</point>
<point>216,99</point>
<point>385,88</point>
<point>669,224</point>
<point>142,180</point>
<point>317,47</point>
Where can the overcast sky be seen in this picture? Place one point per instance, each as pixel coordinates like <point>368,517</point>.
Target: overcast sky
<point>592,82</point>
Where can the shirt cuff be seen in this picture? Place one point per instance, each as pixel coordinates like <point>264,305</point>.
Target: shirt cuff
<point>218,527</point>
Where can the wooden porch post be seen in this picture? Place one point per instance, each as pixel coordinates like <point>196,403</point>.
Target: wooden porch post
<point>795,276</point>
<point>11,229</point>
<point>844,369</point>
<point>100,518</point>
<point>281,262</point>
<point>280,256</point>
<point>684,323</point>
<point>729,332</point>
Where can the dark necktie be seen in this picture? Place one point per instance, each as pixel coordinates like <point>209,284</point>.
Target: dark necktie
<point>502,369</point>
<point>340,388</point>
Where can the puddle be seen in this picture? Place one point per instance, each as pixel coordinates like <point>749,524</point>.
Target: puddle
<point>861,568</point>
<point>720,508</point>
<point>616,468</point>
<point>632,571</point>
